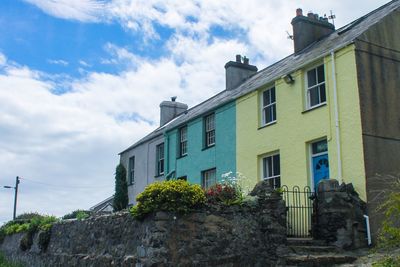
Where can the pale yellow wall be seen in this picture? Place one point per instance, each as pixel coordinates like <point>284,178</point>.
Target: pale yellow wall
<point>295,129</point>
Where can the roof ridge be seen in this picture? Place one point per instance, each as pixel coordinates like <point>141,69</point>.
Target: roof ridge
<point>336,40</point>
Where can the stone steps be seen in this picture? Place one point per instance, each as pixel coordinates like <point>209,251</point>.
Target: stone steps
<point>318,260</point>
<point>309,252</point>
<point>314,249</point>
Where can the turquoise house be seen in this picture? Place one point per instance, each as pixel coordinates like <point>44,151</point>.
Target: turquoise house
<point>200,144</point>
<point>202,148</point>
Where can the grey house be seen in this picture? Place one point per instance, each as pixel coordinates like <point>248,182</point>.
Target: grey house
<point>144,160</point>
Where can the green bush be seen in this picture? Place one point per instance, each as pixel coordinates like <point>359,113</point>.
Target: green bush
<point>28,216</point>
<point>36,222</point>
<point>174,195</point>
<point>77,214</point>
<point>389,236</point>
<point>388,261</point>
<point>121,198</point>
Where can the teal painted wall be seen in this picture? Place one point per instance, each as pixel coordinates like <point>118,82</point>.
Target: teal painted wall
<point>222,156</point>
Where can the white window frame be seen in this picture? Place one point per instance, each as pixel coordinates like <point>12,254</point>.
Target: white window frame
<point>132,170</point>
<point>271,105</point>
<point>160,159</point>
<point>274,178</point>
<point>208,178</point>
<point>209,127</point>
<point>183,141</point>
<point>318,85</point>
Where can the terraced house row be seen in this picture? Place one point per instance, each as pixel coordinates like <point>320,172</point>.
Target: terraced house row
<point>329,110</point>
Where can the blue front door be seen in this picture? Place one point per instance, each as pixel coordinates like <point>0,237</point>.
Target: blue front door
<point>320,168</point>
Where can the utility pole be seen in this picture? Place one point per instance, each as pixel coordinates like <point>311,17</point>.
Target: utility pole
<point>17,180</point>
<point>15,196</point>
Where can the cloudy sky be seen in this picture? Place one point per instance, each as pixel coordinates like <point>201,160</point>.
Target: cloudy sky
<point>81,80</point>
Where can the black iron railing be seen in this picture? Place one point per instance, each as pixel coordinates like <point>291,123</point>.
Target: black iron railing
<point>299,209</point>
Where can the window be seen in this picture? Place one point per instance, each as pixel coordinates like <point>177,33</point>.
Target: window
<point>160,159</point>
<point>208,178</point>
<point>268,109</point>
<point>132,170</point>
<point>183,141</point>
<point>271,170</point>
<point>209,123</point>
<point>316,86</point>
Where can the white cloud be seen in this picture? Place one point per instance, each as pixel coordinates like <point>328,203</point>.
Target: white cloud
<point>81,10</point>
<point>73,139</point>
<point>84,63</point>
<point>58,62</point>
<point>66,140</point>
<point>3,59</point>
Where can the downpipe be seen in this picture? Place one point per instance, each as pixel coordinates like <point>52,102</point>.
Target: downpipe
<point>337,125</point>
<point>368,229</point>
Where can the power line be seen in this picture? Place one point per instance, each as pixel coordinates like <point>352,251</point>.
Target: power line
<point>64,186</point>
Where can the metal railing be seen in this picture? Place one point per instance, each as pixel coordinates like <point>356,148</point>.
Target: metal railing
<point>299,209</point>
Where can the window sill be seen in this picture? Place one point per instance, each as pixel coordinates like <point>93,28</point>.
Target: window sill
<point>131,184</point>
<point>207,147</point>
<point>159,175</point>
<point>268,124</point>
<point>179,157</point>
<point>314,107</point>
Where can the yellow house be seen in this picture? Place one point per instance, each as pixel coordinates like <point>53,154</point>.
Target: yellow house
<point>280,125</point>
<point>330,110</point>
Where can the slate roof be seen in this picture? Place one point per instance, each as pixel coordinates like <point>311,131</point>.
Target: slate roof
<point>336,40</point>
<point>103,204</point>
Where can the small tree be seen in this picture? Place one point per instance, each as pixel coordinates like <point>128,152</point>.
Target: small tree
<point>121,189</point>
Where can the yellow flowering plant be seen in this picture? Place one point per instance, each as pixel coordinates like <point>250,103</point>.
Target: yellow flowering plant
<point>174,195</point>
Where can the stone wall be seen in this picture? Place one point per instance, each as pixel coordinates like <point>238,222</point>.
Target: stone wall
<point>253,234</point>
<point>339,217</point>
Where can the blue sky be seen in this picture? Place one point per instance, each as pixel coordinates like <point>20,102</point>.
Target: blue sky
<point>81,80</point>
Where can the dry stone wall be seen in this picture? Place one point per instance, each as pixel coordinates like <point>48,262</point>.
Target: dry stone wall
<point>253,234</point>
<point>339,215</point>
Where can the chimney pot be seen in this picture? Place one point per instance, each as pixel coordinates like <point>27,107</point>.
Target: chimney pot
<point>239,58</point>
<point>307,30</point>
<point>299,12</point>
<point>170,110</point>
<point>237,72</point>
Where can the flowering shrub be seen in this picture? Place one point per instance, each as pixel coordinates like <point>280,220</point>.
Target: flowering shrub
<point>174,195</point>
<point>227,192</point>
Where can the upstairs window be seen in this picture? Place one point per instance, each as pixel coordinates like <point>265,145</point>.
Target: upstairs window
<point>132,170</point>
<point>183,141</point>
<point>209,126</point>
<point>316,94</point>
<point>268,109</point>
<point>271,170</point>
<point>209,178</point>
<point>160,159</point>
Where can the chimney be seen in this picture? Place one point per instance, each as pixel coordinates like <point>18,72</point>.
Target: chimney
<point>170,110</point>
<point>237,72</point>
<point>307,30</point>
